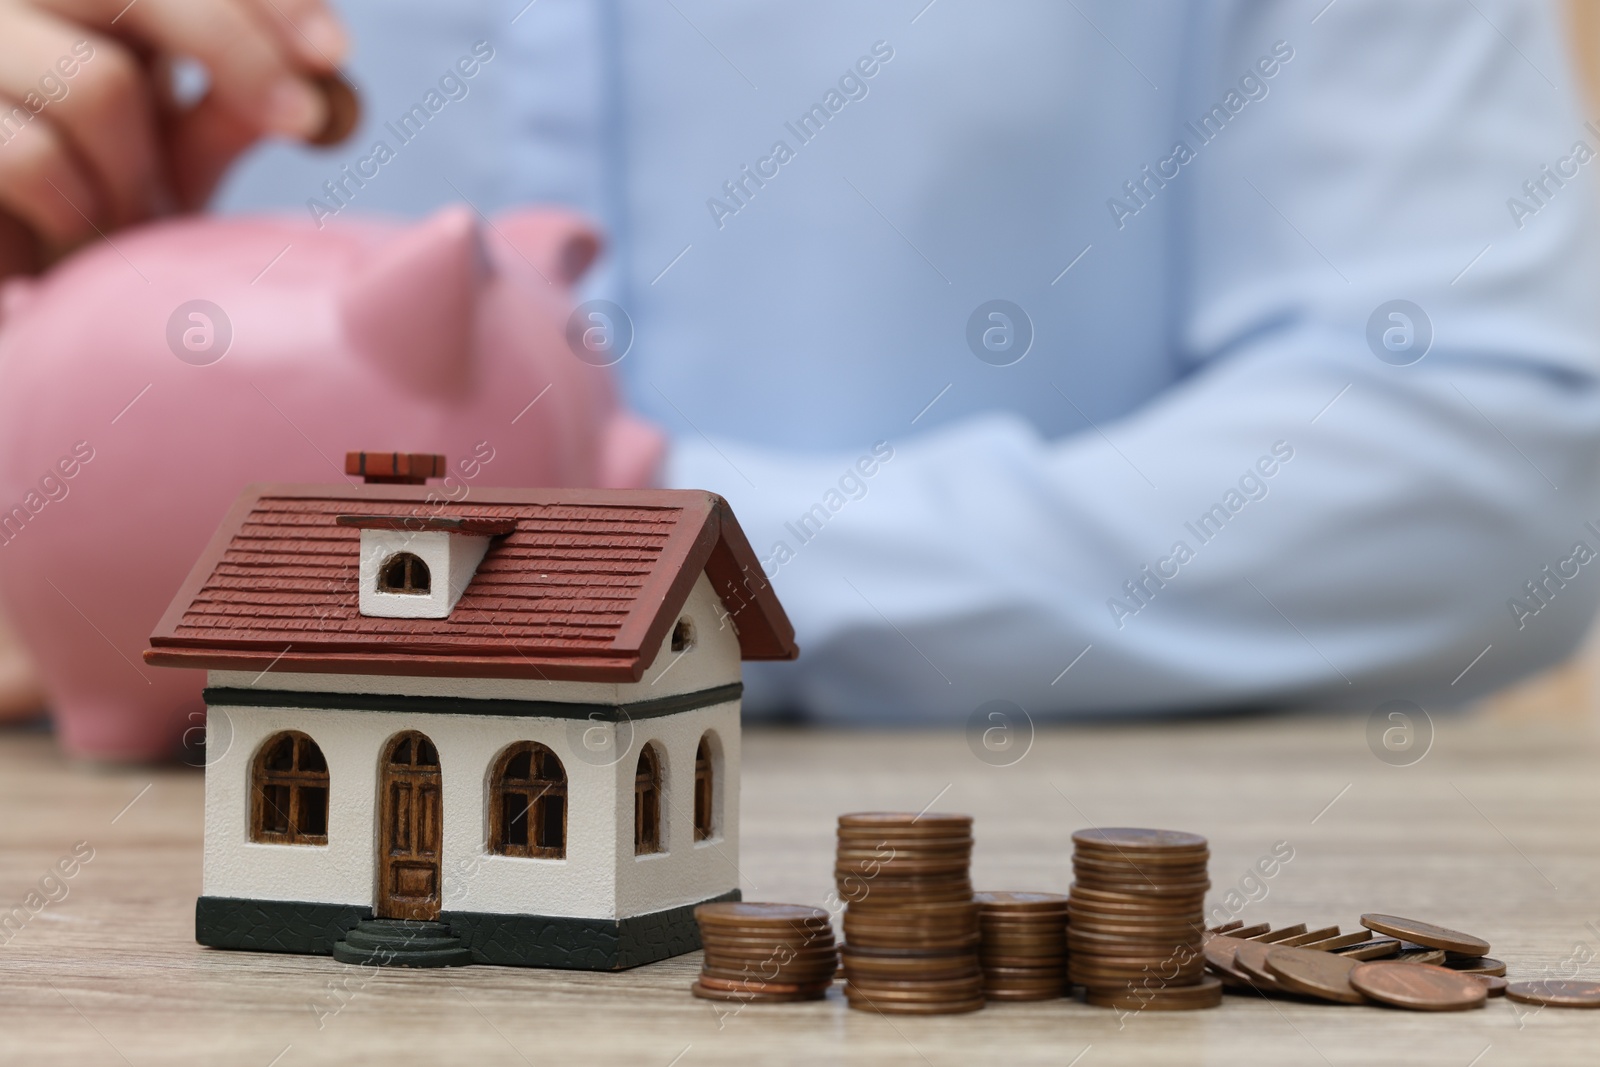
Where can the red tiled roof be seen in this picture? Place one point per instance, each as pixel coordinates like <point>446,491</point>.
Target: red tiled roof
<point>584,588</point>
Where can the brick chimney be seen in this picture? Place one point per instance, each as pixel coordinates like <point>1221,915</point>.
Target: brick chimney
<point>395,468</point>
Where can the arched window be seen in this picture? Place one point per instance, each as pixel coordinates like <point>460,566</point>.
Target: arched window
<point>289,791</point>
<point>528,803</point>
<point>404,572</point>
<point>647,803</point>
<point>704,791</point>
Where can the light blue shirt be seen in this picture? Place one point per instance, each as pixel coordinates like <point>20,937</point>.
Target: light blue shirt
<point>1198,487</point>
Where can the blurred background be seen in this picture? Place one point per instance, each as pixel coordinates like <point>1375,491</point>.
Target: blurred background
<point>1008,163</point>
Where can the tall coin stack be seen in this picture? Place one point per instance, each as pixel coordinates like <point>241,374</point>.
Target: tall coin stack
<point>910,925</point>
<point>1136,921</point>
<point>1024,948</point>
<point>767,952</point>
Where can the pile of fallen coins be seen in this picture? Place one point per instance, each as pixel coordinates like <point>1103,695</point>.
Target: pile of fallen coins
<point>1136,931</point>
<point>1130,932</point>
<point>765,952</point>
<point>1393,961</point>
<point>1023,949</point>
<point>910,924</point>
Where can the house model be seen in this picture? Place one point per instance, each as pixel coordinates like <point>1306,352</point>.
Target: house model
<point>500,730</point>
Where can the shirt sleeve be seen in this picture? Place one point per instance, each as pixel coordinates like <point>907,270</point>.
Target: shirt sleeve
<point>1334,504</point>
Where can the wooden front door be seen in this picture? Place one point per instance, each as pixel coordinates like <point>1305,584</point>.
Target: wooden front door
<point>409,818</point>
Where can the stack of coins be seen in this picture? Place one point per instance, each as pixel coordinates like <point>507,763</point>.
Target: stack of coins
<point>911,925</point>
<point>768,952</point>
<point>1024,947</point>
<point>1136,920</point>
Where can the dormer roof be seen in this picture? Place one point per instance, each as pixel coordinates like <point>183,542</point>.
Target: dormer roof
<point>576,585</point>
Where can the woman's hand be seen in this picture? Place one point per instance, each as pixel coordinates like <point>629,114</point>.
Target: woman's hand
<point>91,138</point>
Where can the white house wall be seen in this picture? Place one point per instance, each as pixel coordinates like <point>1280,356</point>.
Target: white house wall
<point>600,876</point>
<point>686,871</point>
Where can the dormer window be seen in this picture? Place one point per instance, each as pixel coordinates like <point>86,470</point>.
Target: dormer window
<point>414,567</point>
<point>404,572</point>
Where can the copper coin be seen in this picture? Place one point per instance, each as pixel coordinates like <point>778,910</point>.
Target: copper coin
<point>1476,965</point>
<point>1251,961</point>
<point>912,996</point>
<point>751,913</point>
<point>1208,994</point>
<point>1420,955</point>
<point>1089,895</point>
<point>1023,961</point>
<point>820,943</point>
<point>786,976</point>
<point>1154,896</point>
<point>1050,984</point>
<point>1012,971</point>
<point>1557,992</point>
<point>939,989</point>
<point>1130,839</point>
<point>1418,986</point>
<point>893,1008</point>
<point>1426,934</point>
<point>1191,864</point>
<point>1306,938</point>
<point>1227,927</point>
<point>1012,901</point>
<point>871,953</point>
<point>754,960</point>
<point>855,970</point>
<point>889,941</point>
<point>1056,927</point>
<point>1245,933</point>
<point>1376,949</point>
<point>928,821</point>
<point>1220,955</point>
<point>820,937</point>
<point>737,985</point>
<point>1314,974</point>
<point>1494,983</point>
<point>1328,944</point>
<point>751,997</point>
<point>1024,995</point>
<point>1274,936</point>
<point>343,105</point>
<point>878,896</point>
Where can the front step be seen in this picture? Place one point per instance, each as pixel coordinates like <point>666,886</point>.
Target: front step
<point>402,943</point>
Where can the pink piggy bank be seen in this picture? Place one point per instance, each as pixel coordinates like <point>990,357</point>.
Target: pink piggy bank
<point>148,379</point>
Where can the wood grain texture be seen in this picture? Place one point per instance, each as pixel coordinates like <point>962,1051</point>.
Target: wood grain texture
<point>1493,833</point>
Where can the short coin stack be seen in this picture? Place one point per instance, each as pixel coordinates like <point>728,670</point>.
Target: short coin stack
<point>1136,920</point>
<point>1024,947</point>
<point>911,925</point>
<point>765,952</point>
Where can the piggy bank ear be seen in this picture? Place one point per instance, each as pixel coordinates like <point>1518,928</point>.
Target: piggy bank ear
<point>410,308</point>
<point>558,244</point>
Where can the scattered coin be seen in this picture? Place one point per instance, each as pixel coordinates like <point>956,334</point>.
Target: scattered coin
<point>1494,983</point>
<point>1376,949</point>
<point>1420,955</point>
<point>1314,974</point>
<point>1418,986</point>
<point>1426,934</point>
<point>1557,992</point>
<point>1476,965</point>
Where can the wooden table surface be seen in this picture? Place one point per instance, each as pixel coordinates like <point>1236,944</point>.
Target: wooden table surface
<point>1494,831</point>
